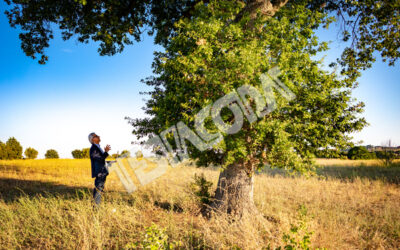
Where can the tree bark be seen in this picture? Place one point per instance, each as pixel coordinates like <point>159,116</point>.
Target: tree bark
<point>234,193</point>
<point>267,8</point>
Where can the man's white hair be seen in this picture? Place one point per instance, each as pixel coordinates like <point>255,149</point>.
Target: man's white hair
<point>91,135</point>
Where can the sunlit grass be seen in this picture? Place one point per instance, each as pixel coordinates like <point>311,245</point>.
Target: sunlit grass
<point>352,163</point>
<point>48,204</point>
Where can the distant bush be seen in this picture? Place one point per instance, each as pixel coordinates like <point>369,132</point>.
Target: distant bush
<point>3,151</point>
<point>154,238</point>
<point>31,153</point>
<point>360,153</point>
<point>86,153</point>
<point>13,149</point>
<point>386,157</point>
<point>51,154</point>
<point>77,154</point>
<point>81,154</point>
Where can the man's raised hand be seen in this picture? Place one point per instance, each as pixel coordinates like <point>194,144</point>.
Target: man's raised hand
<point>107,148</point>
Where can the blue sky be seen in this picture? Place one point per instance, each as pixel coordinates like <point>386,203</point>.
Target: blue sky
<point>58,104</point>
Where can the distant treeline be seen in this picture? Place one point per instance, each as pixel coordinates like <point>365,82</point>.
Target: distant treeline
<point>12,150</point>
<point>358,153</point>
<point>85,153</point>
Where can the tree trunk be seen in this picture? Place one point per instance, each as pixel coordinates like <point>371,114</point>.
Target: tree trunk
<point>234,194</point>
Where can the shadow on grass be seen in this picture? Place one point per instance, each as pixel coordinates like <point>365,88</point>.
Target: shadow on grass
<point>11,189</point>
<point>349,173</point>
<point>168,206</point>
<point>386,174</point>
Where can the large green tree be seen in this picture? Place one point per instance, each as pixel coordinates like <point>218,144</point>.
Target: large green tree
<point>212,55</point>
<point>212,48</point>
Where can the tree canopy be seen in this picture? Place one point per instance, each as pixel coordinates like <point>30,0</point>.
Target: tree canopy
<point>13,149</point>
<point>51,154</point>
<point>77,154</point>
<point>210,57</point>
<point>3,151</point>
<point>31,153</point>
<point>369,25</point>
<point>81,154</point>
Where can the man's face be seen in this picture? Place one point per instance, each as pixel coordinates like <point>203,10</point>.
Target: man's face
<point>96,139</point>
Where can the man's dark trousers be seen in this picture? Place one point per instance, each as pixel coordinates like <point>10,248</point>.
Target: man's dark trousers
<point>98,160</point>
<point>99,186</point>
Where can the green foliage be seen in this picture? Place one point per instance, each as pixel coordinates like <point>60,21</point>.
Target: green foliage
<point>51,154</point>
<point>111,23</point>
<point>369,25</point>
<point>299,236</point>
<point>209,56</point>
<point>3,151</point>
<point>200,186</point>
<point>13,149</point>
<point>154,238</point>
<point>77,154</point>
<point>387,157</point>
<point>81,154</point>
<point>31,153</point>
<point>360,153</point>
<point>330,153</point>
<point>86,153</point>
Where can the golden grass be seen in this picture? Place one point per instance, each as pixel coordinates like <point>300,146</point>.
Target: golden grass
<point>351,163</point>
<point>48,204</point>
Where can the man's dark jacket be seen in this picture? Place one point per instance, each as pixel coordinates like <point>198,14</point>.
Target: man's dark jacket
<point>98,160</point>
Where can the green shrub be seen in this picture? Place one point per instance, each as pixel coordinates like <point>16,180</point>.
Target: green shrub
<point>298,237</point>
<point>31,153</point>
<point>81,154</point>
<point>13,149</point>
<point>77,154</point>
<point>386,157</point>
<point>154,238</point>
<point>3,151</point>
<point>201,187</point>
<point>360,153</point>
<point>51,154</point>
<point>86,153</point>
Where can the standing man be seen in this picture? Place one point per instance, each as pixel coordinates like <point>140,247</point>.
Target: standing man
<point>98,159</point>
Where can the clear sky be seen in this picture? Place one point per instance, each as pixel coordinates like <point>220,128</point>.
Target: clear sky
<point>77,92</point>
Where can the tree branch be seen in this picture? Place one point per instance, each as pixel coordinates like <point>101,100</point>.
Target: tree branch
<point>266,7</point>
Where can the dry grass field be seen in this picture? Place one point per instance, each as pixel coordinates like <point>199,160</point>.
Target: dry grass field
<point>48,204</point>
